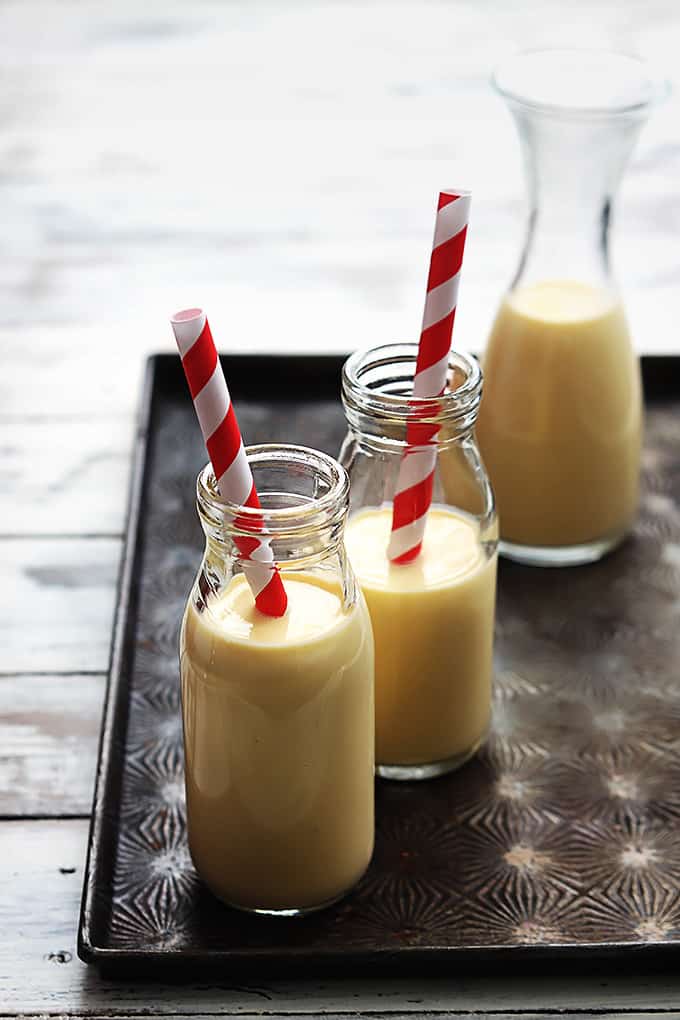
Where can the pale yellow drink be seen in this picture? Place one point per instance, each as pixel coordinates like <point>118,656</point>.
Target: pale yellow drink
<point>560,421</point>
<point>433,629</point>
<point>278,730</point>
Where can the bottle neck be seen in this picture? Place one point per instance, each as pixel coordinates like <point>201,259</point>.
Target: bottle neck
<point>304,497</point>
<point>573,168</point>
<point>377,387</point>
<point>317,547</point>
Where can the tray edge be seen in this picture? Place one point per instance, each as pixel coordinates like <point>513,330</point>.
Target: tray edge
<point>87,950</point>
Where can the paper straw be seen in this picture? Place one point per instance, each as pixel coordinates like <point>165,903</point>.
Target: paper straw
<point>222,436</point>
<point>413,494</point>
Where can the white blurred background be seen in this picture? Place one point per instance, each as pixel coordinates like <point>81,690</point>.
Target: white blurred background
<point>277,162</point>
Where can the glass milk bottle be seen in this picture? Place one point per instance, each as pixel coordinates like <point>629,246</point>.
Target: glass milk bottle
<point>432,617</point>
<point>278,712</point>
<point>561,420</point>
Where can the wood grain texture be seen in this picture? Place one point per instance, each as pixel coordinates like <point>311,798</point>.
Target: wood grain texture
<point>56,604</point>
<point>65,479</point>
<point>40,884</point>
<point>351,1013</point>
<point>76,373</point>
<point>319,164</point>
<point>49,733</point>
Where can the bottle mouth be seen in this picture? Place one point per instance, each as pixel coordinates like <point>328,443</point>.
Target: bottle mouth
<point>300,491</point>
<point>378,384</point>
<point>579,82</point>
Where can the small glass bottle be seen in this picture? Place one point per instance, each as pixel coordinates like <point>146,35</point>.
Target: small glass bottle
<point>278,713</point>
<point>432,618</point>
<point>561,420</point>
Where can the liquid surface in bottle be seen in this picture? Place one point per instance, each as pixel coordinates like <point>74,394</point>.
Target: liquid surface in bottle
<point>433,629</point>
<point>560,420</point>
<point>278,722</point>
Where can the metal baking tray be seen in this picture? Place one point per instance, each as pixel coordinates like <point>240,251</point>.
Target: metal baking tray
<point>560,841</point>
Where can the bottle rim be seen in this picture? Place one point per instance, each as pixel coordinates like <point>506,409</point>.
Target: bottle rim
<point>378,382</point>
<point>302,515</point>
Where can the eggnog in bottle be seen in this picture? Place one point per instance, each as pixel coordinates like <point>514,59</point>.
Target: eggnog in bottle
<point>278,728</point>
<point>433,630</point>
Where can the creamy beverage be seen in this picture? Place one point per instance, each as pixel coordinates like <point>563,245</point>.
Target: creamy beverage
<point>560,421</point>
<point>278,729</point>
<point>433,629</point>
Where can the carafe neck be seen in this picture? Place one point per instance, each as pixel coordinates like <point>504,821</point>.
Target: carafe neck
<point>573,168</point>
<point>578,113</point>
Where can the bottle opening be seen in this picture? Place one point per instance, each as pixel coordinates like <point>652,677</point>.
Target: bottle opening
<point>298,488</point>
<point>379,383</point>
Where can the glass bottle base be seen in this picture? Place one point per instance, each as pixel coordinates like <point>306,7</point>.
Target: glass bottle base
<point>428,770</point>
<point>560,555</point>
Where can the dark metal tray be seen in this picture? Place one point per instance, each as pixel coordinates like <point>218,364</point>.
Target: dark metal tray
<point>560,841</point>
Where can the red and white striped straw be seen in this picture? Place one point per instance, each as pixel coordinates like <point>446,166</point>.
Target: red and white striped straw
<point>413,494</point>
<point>222,437</point>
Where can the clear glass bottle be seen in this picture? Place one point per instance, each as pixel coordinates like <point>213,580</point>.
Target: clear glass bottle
<point>432,618</point>
<point>561,420</point>
<point>278,713</point>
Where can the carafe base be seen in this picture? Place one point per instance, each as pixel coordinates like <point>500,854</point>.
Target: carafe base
<point>287,911</point>
<point>428,770</point>
<point>560,555</point>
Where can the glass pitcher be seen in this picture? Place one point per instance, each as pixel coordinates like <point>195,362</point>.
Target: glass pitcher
<point>560,422</point>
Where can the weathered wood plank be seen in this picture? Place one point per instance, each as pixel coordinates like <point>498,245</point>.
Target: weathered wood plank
<point>349,1012</point>
<point>64,478</point>
<point>56,604</point>
<point>40,884</point>
<point>98,236</point>
<point>49,733</point>
<point>75,374</point>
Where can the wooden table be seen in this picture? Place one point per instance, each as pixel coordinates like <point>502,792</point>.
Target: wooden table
<point>275,162</point>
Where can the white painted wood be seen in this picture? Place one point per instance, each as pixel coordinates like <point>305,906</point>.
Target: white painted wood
<point>278,163</point>
<point>39,921</point>
<point>71,373</point>
<point>49,734</point>
<point>65,479</point>
<point>447,1015</point>
<point>56,604</point>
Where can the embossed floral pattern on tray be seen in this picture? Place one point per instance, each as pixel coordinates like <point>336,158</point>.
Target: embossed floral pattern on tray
<point>564,830</point>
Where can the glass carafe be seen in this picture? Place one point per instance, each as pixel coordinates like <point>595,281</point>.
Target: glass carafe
<point>278,712</point>
<point>433,617</point>
<point>561,418</point>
